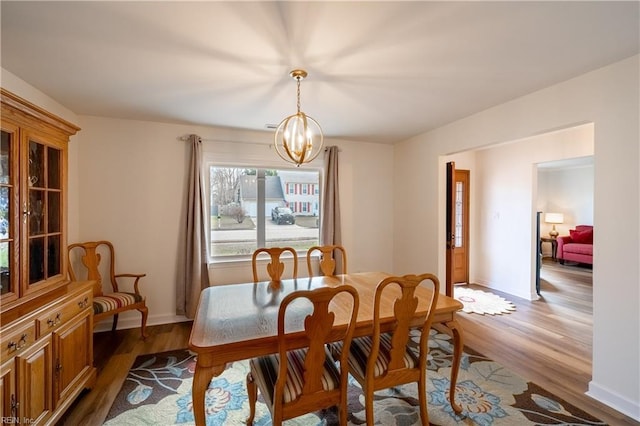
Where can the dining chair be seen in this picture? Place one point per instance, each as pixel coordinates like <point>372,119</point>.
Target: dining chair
<point>275,267</point>
<point>299,380</point>
<point>385,360</point>
<point>111,303</point>
<point>327,264</point>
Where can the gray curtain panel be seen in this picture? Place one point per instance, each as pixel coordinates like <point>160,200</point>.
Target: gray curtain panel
<point>330,231</point>
<point>195,274</point>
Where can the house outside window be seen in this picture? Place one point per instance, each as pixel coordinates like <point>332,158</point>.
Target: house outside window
<point>258,207</point>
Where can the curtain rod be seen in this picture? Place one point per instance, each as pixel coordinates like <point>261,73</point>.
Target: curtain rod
<point>186,138</point>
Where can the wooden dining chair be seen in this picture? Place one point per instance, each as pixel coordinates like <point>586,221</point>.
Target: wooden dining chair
<point>275,267</point>
<point>384,360</point>
<point>327,264</point>
<point>111,303</point>
<point>308,379</point>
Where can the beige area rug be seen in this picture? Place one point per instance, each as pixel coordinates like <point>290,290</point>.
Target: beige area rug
<point>157,392</point>
<point>482,302</point>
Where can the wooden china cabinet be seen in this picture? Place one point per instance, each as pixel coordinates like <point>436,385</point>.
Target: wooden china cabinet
<point>46,338</point>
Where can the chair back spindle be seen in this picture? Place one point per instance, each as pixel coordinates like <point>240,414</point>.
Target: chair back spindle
<point>275,267</point>
<point>328,263</point>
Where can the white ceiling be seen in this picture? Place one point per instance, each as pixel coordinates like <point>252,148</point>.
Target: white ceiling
<point>378,71</point>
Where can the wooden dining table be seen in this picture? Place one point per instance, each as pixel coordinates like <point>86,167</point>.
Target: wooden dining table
<point>235,322</point>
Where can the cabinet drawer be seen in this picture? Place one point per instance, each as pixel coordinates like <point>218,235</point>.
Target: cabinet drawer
<point>17,338</point>
<point>62,313</point>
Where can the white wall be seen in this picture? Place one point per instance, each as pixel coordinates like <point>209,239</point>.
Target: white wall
<point>505,187</point>
<point>607,97</point>
<point>132,187</point>
<point>503,181</point>
<point>568,191</point>
<point>506,220</point>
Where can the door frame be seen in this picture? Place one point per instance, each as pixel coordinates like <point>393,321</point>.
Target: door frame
<point>449,225</point>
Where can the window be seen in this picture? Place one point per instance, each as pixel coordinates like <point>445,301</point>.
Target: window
<point>256,207</point>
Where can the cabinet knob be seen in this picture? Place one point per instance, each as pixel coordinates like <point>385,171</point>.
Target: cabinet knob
<point>13,346</point>
<point>14,406</point>
<point>55,321</point>
<point>83,303</point>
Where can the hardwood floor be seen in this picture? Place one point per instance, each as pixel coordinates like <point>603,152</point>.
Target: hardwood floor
<point>114,353</point>
<point>546,341</point>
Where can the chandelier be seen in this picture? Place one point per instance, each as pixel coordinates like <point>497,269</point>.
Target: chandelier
<point>298,138</point>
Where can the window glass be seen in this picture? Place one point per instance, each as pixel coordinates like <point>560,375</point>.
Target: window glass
<point>254,207</point>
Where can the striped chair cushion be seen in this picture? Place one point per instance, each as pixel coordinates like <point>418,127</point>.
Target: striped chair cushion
<point>361,350</point>
<point>113,301</point>
<point>266,369</point>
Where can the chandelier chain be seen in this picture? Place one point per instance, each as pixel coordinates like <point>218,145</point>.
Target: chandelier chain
<point>298,80</point>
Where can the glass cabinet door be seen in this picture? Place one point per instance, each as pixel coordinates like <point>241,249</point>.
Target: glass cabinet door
<point>33,170</point>
<point>44,211</point>
<point>9,217</point>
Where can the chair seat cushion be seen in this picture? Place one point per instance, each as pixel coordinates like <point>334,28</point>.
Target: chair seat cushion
<point>112,301</point>
<point>266,370</point>
<point>360,352</point>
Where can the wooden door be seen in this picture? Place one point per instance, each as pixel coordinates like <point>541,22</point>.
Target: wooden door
<point>34,381</point>
<point>457,227</point>
<point>9,402</point>
<point>73,357</point>
<point>461,228</point>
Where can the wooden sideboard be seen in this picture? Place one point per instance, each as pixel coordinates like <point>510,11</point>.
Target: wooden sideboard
<point>46,357</point>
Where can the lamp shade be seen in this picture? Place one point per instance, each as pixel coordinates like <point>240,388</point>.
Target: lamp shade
<point>554,218</point>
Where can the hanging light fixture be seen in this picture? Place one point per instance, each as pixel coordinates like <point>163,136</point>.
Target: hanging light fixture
<point>298,138</point>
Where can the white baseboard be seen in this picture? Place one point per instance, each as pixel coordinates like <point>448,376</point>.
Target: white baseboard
<point>532,296</point>
<point>134,322</point>
<point>614,400</point>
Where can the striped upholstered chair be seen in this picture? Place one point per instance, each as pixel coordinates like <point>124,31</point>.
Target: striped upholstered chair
<point>297,380</point>
<point>111,303</point>
<point>385,360</point>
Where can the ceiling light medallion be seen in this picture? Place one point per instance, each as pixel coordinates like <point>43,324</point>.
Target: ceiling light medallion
<point>298,138</point>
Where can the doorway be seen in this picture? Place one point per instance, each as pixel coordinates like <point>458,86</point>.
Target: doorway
<point>564,191</point>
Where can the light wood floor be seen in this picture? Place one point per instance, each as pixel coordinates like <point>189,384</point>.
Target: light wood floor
<point>546,341</point>
<point>114,354</point>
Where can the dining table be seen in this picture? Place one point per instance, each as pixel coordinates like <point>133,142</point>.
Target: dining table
<point>236,322</point>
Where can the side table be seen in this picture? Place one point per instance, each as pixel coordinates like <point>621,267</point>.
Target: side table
<point>554,246</point>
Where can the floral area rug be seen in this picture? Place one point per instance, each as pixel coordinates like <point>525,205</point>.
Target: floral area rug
<point>157,391</point>
<point>482,302</point>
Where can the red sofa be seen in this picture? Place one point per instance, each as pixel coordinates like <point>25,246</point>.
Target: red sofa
<point>578,246</point>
